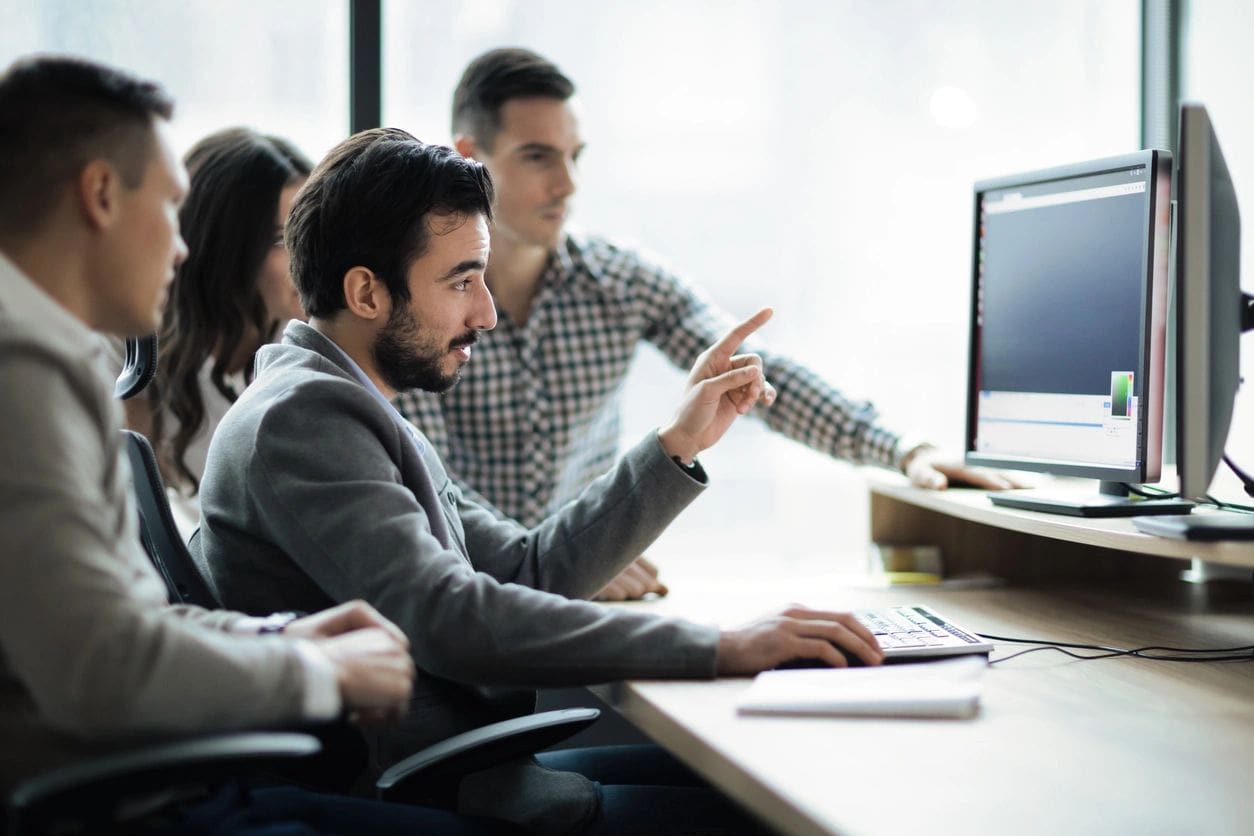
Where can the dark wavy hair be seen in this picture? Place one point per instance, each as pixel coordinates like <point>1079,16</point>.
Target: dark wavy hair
<point>237,176</point>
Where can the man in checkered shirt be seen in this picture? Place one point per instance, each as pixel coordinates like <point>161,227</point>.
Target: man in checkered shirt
<point>536,416</point>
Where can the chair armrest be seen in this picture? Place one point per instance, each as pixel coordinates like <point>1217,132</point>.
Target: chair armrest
<point>471,751</point>
<point>104,783</point>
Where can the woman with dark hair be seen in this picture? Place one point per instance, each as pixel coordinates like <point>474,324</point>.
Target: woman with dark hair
<point>233,294</point>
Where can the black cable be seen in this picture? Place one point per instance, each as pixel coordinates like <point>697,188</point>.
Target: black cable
<point>1147,492</point>
<point>1247,481</point>
<point>993,638</point>
<point>1245,653</point>
<point>1059,649</point>
<point>1223,505</point>
<point>1240,649</point>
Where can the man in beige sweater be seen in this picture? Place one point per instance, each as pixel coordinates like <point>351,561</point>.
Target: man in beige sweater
<point>92,655</point>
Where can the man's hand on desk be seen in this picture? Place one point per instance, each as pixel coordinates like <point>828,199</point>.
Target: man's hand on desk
<point>633,583</point>
<point>929,467</point>
<point>796,633</point>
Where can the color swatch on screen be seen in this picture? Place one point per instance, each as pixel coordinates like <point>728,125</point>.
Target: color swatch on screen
<point>1120,394</point>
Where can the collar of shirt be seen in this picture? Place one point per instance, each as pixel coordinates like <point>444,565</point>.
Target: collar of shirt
<point>364,380</point>
<point>568,264</point>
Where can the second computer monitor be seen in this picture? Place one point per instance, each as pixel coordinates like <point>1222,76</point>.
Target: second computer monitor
<point>1068,327</point>
<point>1210,307</point>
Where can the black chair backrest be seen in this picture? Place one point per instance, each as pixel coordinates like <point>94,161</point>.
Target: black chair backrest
<point>158,532</point>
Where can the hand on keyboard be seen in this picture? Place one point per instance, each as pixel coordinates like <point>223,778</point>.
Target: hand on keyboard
<point>832,638</point>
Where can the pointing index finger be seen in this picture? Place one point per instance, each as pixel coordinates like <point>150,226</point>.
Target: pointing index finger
<point>733,338</point>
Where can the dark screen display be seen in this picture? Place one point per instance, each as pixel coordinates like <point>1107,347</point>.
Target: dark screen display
<point>1062,290</point>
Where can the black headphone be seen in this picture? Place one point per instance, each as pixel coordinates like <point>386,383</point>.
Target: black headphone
<point>140,366</point>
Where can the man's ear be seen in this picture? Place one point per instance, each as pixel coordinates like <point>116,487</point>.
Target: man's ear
<point>97,193</point>
<point>466,146</point>
<point>365,295</point>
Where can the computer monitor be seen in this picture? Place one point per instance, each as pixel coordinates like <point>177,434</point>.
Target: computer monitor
<point>1068,330</point>
<point>1211,310</point>
<point>1211,313</point>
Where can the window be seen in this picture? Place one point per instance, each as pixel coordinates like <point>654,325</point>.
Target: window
<point>280,66</point>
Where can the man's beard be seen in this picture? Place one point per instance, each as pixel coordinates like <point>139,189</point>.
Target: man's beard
<point>407,361</point>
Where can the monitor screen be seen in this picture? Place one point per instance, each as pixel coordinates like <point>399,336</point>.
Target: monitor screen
<point>1069,291</point>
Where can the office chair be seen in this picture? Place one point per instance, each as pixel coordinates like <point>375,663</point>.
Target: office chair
<point>422,776</point>
<point>186,582</point>
<point>105,793</point>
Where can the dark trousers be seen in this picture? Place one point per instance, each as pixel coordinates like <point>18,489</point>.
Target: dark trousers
<point>644,789</point>
<point>290,811</point>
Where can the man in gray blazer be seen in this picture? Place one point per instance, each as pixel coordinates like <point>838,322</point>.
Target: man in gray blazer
<point>316,490</point>
<point>92,655</point>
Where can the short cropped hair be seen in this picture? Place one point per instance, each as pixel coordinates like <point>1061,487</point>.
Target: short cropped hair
<point>367,205</point>
<point>59,113</point>
<point>496,77</point>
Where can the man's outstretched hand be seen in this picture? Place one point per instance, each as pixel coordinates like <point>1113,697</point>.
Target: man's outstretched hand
<point>721,387</point>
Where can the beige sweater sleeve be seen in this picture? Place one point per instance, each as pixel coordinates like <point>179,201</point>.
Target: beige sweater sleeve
<point>84,623</point>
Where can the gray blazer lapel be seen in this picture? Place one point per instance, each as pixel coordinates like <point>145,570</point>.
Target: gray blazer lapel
<point>420,468</point>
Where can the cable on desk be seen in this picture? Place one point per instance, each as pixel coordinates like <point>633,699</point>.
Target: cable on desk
<point>1223,505</point>
<point>1156,653</point>
<point>1148,492</point>
<point>1247,481</point>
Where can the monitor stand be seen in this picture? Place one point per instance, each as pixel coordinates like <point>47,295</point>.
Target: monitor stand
<point>1113,499</point>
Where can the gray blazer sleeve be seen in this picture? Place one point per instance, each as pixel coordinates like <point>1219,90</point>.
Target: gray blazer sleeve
<point>327,487</point>
<point>581,548</point>
<point>84,624</point>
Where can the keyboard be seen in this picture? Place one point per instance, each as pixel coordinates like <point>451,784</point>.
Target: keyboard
<point>917,631</point>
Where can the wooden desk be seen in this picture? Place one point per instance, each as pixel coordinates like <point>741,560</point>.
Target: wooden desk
<point>976,535</point>
<point>1059,746</point>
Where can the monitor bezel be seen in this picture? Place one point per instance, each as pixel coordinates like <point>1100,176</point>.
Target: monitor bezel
<point>1153,316</point>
